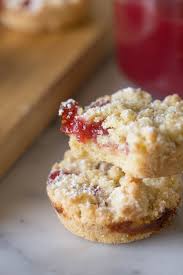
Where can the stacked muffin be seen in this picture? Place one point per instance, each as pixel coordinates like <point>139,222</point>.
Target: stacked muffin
<point>121,179</point>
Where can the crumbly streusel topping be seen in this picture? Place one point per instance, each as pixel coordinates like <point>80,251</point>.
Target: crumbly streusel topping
<point>131,116</point>
<point>104,188</point>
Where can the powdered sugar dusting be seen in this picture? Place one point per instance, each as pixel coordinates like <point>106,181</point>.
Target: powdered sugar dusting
<point>67,104</point>
<point>90,184</point>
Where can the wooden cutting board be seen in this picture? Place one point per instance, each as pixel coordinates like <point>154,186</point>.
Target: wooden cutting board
<point>36,73</point>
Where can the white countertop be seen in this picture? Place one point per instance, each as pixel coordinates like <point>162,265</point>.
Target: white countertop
<point>32,240</point>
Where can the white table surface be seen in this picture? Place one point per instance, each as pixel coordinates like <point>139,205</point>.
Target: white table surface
<point>32,241</point>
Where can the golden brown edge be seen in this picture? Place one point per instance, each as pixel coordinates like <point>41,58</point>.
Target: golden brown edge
<point>129,227</point>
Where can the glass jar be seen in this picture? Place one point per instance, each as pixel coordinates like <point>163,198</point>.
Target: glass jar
<point>150,43</point>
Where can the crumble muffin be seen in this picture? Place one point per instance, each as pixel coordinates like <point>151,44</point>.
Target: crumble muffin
<point>130,130</point>
<point>97,201</point>
<point>38,15</point>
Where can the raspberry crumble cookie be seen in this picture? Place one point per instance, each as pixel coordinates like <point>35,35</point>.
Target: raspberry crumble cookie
<point>98,201</point>
<point>130,130</point>
<point>38,15</point>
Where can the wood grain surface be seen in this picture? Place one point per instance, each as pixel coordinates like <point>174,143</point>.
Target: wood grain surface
<point>36,73</point>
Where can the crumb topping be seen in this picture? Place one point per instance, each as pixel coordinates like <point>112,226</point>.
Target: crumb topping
<point>67,104</point>
<point>133,117</point>
<point>104,188</point>
<point>130,116</point>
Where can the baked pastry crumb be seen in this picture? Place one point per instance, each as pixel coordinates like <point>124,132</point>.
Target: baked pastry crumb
<point>130,130</point>
<point>100,202</point>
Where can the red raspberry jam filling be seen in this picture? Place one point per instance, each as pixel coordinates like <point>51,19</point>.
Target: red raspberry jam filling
<point>55,175</point>
<point>75,125</point>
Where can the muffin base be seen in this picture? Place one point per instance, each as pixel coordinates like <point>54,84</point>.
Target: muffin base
<point>48,19</point>
<point>115,233</point>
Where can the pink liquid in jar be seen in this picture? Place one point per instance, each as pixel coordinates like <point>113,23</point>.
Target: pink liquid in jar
<point>150,43</point>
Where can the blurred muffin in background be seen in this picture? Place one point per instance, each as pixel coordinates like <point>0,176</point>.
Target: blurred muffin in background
<point>42,15</point>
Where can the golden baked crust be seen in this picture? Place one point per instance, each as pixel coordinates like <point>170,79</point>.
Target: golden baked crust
<point>48,18</point>
<point>99,202</point>
<point>107,235</point>
<point>143,137</point>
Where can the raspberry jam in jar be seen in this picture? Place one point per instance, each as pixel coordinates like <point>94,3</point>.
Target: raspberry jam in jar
<point>150,43</point>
